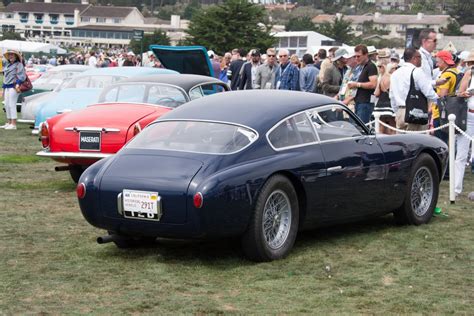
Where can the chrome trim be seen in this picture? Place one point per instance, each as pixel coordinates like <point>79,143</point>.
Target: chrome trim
<point>63,154</point>
<point>63,111</point>
<point>35,131</point>
<point>26,121</point>
<point>333,169</point>
<point>92,129</point>
<point>120,203</point>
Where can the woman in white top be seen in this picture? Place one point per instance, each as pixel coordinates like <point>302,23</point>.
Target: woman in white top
<point>466,90</point>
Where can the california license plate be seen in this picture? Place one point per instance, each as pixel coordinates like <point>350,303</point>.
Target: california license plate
<point>89,140</point>
<point>141,205</point>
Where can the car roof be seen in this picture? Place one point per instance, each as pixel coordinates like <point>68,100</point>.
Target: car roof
<point>70,68</point>
<point>125,71</point>
<point>184,81</point>
<point>258,109</point>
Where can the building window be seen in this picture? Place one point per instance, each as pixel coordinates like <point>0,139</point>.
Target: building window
<point>9,15</point>
<point>85,19</point>
<point>69,19</point>
<point>53,18</point>
<point>293,41</point>
<point>302,41</point>
<point>100,20</point>
<point>117,20</point>
<point>284,42</point>
<point>38,18</point>
<point>24,17</point>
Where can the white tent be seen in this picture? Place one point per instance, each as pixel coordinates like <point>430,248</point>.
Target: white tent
<point>31,47</point>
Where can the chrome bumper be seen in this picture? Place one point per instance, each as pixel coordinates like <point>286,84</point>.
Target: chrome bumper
<point>68,155</point>
<point>26,121</point>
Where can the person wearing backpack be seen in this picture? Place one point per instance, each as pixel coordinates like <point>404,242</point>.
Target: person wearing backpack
<point>449,72</point>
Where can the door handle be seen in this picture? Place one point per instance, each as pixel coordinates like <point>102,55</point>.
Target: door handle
<point>334,169</point>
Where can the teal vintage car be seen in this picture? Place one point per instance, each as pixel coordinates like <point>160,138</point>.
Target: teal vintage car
<point>51,79</point>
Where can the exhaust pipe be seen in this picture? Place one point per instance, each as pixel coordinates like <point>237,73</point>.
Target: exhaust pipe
<point>106,239</point>
<point>62,168</point>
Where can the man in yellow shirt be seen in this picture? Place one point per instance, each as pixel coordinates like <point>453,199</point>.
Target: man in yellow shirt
<point>445,63</point>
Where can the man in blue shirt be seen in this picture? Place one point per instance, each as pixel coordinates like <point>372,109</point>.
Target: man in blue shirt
<point>308,74</point>
<point>287,76</point>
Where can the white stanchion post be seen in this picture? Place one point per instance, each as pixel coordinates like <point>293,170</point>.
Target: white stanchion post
<point>452,149</point>
<point>377,122</point>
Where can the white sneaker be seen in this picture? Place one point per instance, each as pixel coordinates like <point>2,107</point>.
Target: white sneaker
<point>11,126</point>
<point>5,125</point>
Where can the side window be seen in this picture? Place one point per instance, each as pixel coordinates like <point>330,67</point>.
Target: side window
<point>335,122</point>
<point>131,93</point>
<point>294,131</point>
<point>196,93</point>
<point>166,96</point>
<point>80,83</point>
<point>110,95</point>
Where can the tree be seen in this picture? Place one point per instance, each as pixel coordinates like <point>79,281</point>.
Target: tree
<point>233,24</point>
<point>452,29</point>
<point>12,36</point>
<point>158,37</point>
<point>340,30</point>
<point>462,11</point>
<point>302,23</point>
<point>190,9</point>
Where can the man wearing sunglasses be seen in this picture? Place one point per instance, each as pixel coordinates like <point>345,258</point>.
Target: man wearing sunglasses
<point>427,46</point>
<point>266,73</point>
<point>287,76</point>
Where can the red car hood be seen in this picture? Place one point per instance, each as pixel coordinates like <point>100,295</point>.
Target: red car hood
<point>116,121</point>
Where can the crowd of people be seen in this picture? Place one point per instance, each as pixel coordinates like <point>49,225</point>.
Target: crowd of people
<point>406,91</point>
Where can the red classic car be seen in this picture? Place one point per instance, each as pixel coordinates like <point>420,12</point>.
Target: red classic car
<point>82,137</point>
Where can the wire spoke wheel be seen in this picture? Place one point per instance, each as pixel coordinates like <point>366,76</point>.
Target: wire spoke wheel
<point>422,190</point>
<point>276,219</point>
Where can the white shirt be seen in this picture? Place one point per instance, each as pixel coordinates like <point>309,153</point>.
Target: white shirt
<point>427,65</point>
<point>400,85</point>
<point>92,61</point>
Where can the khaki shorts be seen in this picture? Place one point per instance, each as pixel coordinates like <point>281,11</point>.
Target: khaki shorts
<point>400,120</point>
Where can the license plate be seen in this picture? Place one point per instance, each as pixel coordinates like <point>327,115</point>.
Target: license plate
<point>141,205</point>
<point>89,140</point>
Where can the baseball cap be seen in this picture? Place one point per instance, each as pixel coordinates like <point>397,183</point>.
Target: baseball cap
<point>446,57</point>
<point>395,56</point>
<point>340,53</point>
<point>255,52</point>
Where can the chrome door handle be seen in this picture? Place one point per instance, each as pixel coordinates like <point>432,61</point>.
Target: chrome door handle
<point>336,168</point>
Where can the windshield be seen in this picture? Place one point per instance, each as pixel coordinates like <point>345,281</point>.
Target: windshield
<point>52,79</point>
<point>195,136</point>
<point>152,93</point>
<point>93,81</point>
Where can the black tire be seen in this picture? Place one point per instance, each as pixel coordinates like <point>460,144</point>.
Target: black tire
<point>254,242</point>
<point>127,242</point>
<point>419,203</point>
<point>76,171</point>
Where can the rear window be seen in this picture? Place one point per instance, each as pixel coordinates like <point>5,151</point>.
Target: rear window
<point>195,136</point>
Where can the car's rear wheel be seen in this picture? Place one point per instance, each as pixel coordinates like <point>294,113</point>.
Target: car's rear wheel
<point>76,171</point>
<point>274,223</point>
<point>422,193</point>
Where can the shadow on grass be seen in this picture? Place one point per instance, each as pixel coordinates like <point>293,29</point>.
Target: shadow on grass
<point>62,185</point>
<point>227,252</point>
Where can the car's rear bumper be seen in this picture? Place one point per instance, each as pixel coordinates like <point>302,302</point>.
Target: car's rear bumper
<point>60,156</point>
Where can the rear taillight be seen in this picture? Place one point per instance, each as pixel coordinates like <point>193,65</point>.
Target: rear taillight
<point>44,134</point>
<point>81,190</point>
<point>198,200</point>
<point>136,129</point>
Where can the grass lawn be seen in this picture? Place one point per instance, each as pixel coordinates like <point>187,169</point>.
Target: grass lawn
<point>51,264</point>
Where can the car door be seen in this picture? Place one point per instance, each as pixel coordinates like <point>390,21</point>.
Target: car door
<point>355,163</point>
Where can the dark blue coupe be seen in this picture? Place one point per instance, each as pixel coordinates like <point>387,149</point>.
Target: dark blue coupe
<point>260,165</point>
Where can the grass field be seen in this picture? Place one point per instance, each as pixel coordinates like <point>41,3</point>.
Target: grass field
<point>50,263</point>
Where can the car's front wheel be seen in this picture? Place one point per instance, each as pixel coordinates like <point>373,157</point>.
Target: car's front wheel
<point>422,193</point>
<point>274,223</point>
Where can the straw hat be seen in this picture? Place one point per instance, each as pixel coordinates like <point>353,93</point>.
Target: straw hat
<point>11,51</point>
<point>470,57</point>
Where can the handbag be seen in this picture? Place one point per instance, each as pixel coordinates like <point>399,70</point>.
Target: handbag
<point>416,105</point>
<point>26,85</point>
<point>453,105</point>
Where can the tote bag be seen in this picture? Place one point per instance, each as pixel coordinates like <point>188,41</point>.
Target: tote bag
<point>416,105</point>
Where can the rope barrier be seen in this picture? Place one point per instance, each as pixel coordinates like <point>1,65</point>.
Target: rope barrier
<point>452,136</point>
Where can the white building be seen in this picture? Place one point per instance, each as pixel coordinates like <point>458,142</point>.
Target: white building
<point>82,24</point>
<point>395,25</point>
<point>300,43</point>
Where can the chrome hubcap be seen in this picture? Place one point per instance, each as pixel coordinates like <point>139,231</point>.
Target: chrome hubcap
<point>276,219</point>
<point>422,191</point>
